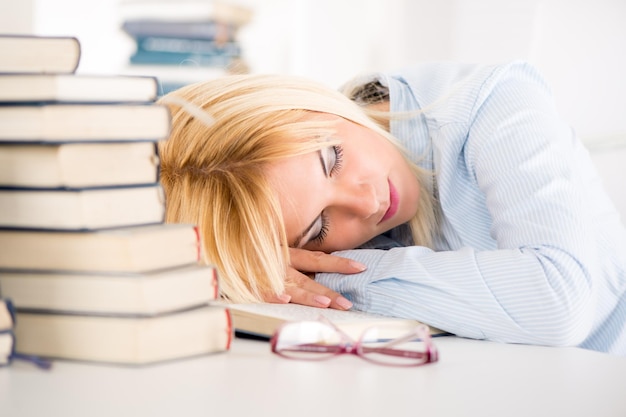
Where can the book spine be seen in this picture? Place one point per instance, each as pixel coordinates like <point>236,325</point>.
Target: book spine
<point>211,30</point>
<point>6,357</point>
<point>181,59</point>
<point>8,311</point>
<point>7,322</point>
<point>187,46</point>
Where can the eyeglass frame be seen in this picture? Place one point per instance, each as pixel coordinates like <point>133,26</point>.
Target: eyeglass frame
<point>348,345</point>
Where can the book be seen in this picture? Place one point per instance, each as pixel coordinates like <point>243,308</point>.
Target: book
<point>173,77</point>
<point>180,47</point>
<point>148,293</point>
<point>19,88</point>
<point>170,73</point>
<point>182,59</point>
<point>7,340</point>
<point>83,123</point>
<point>78,165</point>
<point>124,340</point>
<point>81,209</point>
<point>128,249</point>
<point>39,54</point>
<point>208,29</point>
<point>98,275</point>
<point>6,315</point>
<point>186,10</point>
<point>261,320</point>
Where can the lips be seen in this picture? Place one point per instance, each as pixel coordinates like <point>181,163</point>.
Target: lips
<point>394,201</point>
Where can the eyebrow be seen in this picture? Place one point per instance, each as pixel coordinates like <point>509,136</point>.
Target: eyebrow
<point>307,230</point>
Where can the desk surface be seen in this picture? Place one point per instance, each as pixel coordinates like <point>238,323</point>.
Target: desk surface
<point>472,378</point>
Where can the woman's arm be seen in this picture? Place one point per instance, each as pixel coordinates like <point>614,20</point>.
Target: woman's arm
<point>536,285</point>
<point>302,289</point>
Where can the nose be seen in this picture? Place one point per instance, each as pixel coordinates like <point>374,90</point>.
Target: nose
<point>358,200</point>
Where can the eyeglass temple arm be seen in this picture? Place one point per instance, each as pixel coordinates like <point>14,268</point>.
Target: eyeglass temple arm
<point>344,335</point>
<point>312,347</point>
<point>395,352</point>
<point>388,350</point>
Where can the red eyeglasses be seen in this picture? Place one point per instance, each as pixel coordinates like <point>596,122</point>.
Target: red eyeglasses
<point>394,345</point>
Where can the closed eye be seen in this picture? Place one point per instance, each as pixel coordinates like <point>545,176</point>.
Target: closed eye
<point>321,235</point>
<point>332,164</point>
<point>338,160</point>
<point>331,159</point>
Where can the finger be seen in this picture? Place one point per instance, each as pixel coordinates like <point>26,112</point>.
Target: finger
<point>306,291</point>
<point>277,298</point>
<point>316,261</point>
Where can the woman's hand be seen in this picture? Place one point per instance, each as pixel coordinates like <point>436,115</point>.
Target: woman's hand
<point>302,289</point>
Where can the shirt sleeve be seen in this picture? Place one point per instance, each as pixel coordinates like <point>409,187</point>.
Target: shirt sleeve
<point>536,286</point>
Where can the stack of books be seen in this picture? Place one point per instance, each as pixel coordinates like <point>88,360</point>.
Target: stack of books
<point>85,256</point>
<point>184,41</point>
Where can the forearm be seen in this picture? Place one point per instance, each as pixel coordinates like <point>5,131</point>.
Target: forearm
<point>505,295</point>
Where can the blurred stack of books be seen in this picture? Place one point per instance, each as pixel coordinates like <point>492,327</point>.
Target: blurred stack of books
<point>184,41</point>
<point>85,257</point>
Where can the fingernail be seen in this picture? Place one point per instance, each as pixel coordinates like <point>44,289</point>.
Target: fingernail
<point>285,298</point>
<point>344,303</point>
<point>358,266</point>
<point>322,300</point>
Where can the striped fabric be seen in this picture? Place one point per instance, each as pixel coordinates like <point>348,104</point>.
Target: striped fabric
<point>531,248</point>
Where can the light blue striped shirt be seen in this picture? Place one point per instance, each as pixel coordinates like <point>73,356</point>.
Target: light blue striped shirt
<point>531,248</point>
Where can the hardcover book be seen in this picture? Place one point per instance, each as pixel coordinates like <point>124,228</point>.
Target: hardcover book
<point>186,10</point>
<point>128,249</point>
<point>81,209</point>
<point>146,293</point>
<point>39,54</point>
<point>172,77</point>
<point>78,165</point>
<point>7,339</point>
<point>209,29</point>
<point>84,123</point>
<point>188,46</point>
<point>16,88</point>
<point>182,59</point>
<point>124,340</point>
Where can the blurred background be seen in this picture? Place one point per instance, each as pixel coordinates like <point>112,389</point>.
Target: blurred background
<point>579,46</point>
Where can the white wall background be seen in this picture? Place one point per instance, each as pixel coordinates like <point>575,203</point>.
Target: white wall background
<point>579,45</point>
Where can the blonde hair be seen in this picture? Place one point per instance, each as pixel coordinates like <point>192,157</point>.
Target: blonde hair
<point>214,173</point>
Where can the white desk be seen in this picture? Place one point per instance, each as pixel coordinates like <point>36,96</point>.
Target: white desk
<point>472,378</point>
